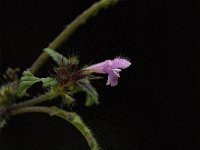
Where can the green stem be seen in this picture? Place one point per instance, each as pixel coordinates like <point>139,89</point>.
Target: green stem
<point>48,96</point>
<point>70,29</point>
<point>71,117</point>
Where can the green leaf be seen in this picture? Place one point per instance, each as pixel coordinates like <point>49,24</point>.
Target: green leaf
<point>91,93</point>
<point>67,99</point>
<point>48,82</point>
<point>73,59</point>
<point>26,81</point>
<point>90,100</point>
<point>57,57</point>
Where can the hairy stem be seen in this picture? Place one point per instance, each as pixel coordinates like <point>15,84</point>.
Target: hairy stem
<point>42,98</point>
<point>71,117</point>
<point>70,29</point>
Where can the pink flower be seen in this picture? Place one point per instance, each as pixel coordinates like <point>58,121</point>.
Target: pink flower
<point>110,67</point>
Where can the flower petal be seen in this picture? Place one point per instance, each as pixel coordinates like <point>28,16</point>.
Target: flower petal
<point>112,79</point>
<point>102,67</point>
<point>116,72</point>
<point>120,63</point>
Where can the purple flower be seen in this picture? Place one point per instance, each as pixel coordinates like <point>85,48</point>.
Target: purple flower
<point>110,67</point>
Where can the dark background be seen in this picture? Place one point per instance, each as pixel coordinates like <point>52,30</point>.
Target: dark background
<point>156,104</point>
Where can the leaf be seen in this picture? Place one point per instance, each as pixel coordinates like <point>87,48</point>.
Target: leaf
<point>48,82</point>
<point>91,93</point>
<point>57,57</point>
<point>90,100</point>
<point>67,99</point>
<point>73,60</point>
<point>26,81</point>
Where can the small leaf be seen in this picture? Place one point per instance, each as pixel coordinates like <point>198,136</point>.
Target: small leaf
<point>92,95</point>
<point>57,57</point>
<point>48,82</point>
<point>67,99</point>
<point>26,81</point>
<point>73,60</point>
<point>90,100</point>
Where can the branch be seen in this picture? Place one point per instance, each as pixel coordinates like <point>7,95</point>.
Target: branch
<point>71,117</point>
<point>70,29</point>
<point>42,98</point>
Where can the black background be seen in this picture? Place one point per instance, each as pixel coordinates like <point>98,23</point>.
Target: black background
<point>156,104</point>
